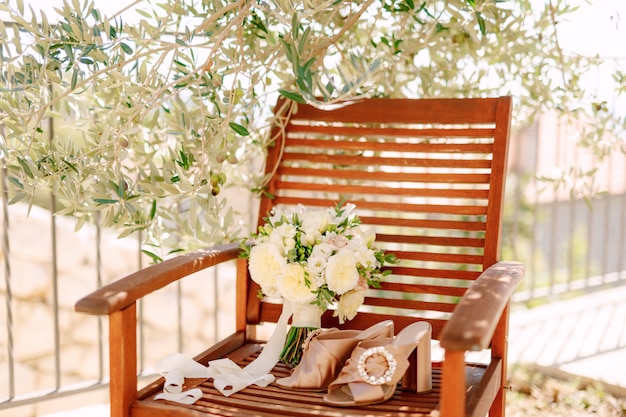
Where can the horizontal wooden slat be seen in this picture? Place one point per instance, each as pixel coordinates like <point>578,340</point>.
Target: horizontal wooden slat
<point>435,273</point>
<point>449,241</point>
<point>422,289</point>
<point>410,304</point>
<point>443,148</point>
<point>438,257</point>
<point>401,207</point>
<point>366,319</point>
<point>382,162</point>
<point>424,223</point>
<point>270,312</point>
<point>350,174</point>
<point>400,110</point>
<point>392,132</point>
<point>372,191</point>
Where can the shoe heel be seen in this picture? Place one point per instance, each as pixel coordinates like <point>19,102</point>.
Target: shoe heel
<point>418,377</point>
<point>409,380</point>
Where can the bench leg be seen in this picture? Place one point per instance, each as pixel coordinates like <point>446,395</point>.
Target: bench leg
<point>453,385</point>
<point>123,360</point>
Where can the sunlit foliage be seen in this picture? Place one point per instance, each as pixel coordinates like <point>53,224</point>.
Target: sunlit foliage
<point>168,102</point>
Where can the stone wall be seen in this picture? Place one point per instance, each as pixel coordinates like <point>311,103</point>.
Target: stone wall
<point>32,310</point>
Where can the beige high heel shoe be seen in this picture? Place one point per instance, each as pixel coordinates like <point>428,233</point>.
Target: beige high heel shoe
<point>325,353</point>
<point>376,366</point>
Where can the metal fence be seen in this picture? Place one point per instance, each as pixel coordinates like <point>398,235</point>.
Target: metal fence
<point>569,245</point>
<point>47,351</point>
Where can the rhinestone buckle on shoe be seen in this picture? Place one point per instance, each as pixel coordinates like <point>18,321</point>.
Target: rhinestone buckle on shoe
<point>377,380</point>
<point>311,335</point>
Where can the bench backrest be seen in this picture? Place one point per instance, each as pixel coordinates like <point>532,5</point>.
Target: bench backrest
<point>426,175</point>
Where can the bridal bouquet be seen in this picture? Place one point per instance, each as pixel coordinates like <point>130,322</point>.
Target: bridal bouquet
<point>313,258</point>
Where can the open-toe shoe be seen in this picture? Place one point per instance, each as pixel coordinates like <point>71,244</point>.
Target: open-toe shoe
<point>324,354</point>
<point>375,367</point>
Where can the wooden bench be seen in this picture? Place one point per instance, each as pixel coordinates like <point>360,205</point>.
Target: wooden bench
<point>427,176</point>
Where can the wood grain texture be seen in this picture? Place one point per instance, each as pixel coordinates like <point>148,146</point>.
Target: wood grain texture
<point>272,400</point>
<point>123,360</point>
<point>475,318</point>
<point>427,177</point>
<point>453,391</point>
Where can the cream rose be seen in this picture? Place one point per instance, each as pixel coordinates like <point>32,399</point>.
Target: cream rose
<point>265,264</point>
<point>348,305</point>
<point>292,286</point>
<point>341,274</point>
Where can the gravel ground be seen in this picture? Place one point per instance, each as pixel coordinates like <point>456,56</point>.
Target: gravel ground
<point>534,392</point>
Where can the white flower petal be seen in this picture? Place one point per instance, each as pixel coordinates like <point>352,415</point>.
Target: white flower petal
<point>341,273</point>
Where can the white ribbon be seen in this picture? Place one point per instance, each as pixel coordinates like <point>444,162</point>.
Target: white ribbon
<point>306,315</point>
<point>186,397</point>
<point>228,377</point>
<point>175,368</point>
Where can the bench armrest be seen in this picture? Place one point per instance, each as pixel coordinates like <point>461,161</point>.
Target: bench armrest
<point>475,318</point>
<point>126,291</point>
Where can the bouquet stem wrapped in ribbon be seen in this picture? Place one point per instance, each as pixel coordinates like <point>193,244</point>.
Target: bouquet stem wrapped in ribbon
<point>313,258</point>
<point>306,318</point>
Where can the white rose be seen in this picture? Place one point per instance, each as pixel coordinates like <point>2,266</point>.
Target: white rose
<point>277,240</point>
<point>292,286</point>
<point>366,257</point>
<point>316,266</point>
<point>341,274</point>
<point>265,264</point>
<point>348,305</point>
<point>283,237</point>
<point>317,220</point>
<point>322,250</point>
<point>366,237</point>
